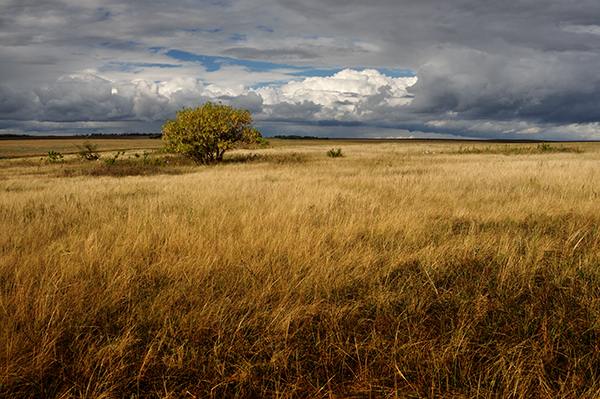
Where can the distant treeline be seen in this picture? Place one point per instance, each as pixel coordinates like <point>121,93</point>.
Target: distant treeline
<point>96,136</point>
<point>83,136</point>
<point>296,137</point>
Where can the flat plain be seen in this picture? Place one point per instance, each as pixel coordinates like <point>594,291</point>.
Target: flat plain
<point>402,269</point>
<point>10,148</point>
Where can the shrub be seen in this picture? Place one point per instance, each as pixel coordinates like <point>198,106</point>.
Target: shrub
<point>112,160</point>
<point>54,157</point>
<point>88,152</point>
<point>545,147</point>
<point>206,132</point>
<point>335,153</point>
<point>146,157</point>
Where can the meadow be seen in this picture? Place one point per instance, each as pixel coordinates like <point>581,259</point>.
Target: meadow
<point>10,148</point>
<point>400,269</point>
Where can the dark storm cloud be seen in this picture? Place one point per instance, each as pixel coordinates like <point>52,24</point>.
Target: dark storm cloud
<point>299,113</point>
<point>483,59</point>
<point>485,68</point>
<point>251,101</point>
<point>544,87</point>
<point>16,105</point>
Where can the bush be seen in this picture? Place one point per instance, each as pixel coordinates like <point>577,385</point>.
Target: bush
<point>89,152</point>
<point>545,147</point>
<point>54,157</point>
<point>206,132</point>
<point>112,160</point>
<point>335,153</point>
<point>146,157</point>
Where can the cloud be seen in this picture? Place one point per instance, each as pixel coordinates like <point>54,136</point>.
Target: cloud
<point>470,84</point>
<point>81,97</point>
<point>271,53</point>
<point>586,29</point>
<point>16,105</point>
<point>346,95</point>
<point>483,69</point>
<point>87,97</point>
<point>349,102</point>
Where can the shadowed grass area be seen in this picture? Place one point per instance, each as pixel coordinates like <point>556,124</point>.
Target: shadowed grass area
<point>11,148</point>
<point>389,272</point>
<point>272,158</point>
<point>141,164</point>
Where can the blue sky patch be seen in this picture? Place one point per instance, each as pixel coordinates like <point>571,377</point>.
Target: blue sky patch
<point>316,72</point>
<point>214,63</point>
<point>397,73</point>
<point>120,44</point>
<point>265,28</point>
<point>135,66</point>
<point>238,37</point>
<point>203,30</point>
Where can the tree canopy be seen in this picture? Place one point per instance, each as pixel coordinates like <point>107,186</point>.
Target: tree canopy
<point>206,132</point>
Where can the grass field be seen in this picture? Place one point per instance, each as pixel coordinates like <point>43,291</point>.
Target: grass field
<point>402,269</point>
<point>40,147</point>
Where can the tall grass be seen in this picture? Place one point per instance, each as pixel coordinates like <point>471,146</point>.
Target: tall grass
<point>390,273</point>
<point>512,149</point>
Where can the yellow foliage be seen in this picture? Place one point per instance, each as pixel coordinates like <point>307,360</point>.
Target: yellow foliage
<point>206,132</point>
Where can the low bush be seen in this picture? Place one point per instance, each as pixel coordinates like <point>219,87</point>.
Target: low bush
<point>54,157</point>
<point>279,159</point>
<point>88,152</point>
<point>113,159</point>
<point>335,153</point>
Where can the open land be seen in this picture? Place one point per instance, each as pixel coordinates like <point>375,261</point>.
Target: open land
<point>402,269</point>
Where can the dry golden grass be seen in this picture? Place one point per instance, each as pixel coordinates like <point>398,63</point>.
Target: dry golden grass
<point>10,148</point>
<point>399,270</point>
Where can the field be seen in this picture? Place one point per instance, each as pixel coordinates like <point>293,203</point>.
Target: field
<point>40,147</point>
<point>402,269</point>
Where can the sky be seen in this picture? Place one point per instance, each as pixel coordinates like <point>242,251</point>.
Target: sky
<point>524,69</point>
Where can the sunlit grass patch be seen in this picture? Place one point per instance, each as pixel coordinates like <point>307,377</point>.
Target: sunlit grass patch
<point>518,149</point>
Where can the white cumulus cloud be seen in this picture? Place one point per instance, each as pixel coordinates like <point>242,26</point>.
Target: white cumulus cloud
<point>348,94</point>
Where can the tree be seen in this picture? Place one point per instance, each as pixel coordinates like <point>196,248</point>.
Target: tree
<point>206,132</point>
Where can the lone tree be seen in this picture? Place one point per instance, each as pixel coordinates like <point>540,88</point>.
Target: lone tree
<point>205,133</point>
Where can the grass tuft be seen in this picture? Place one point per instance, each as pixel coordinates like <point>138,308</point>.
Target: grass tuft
<point>335,153</point>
